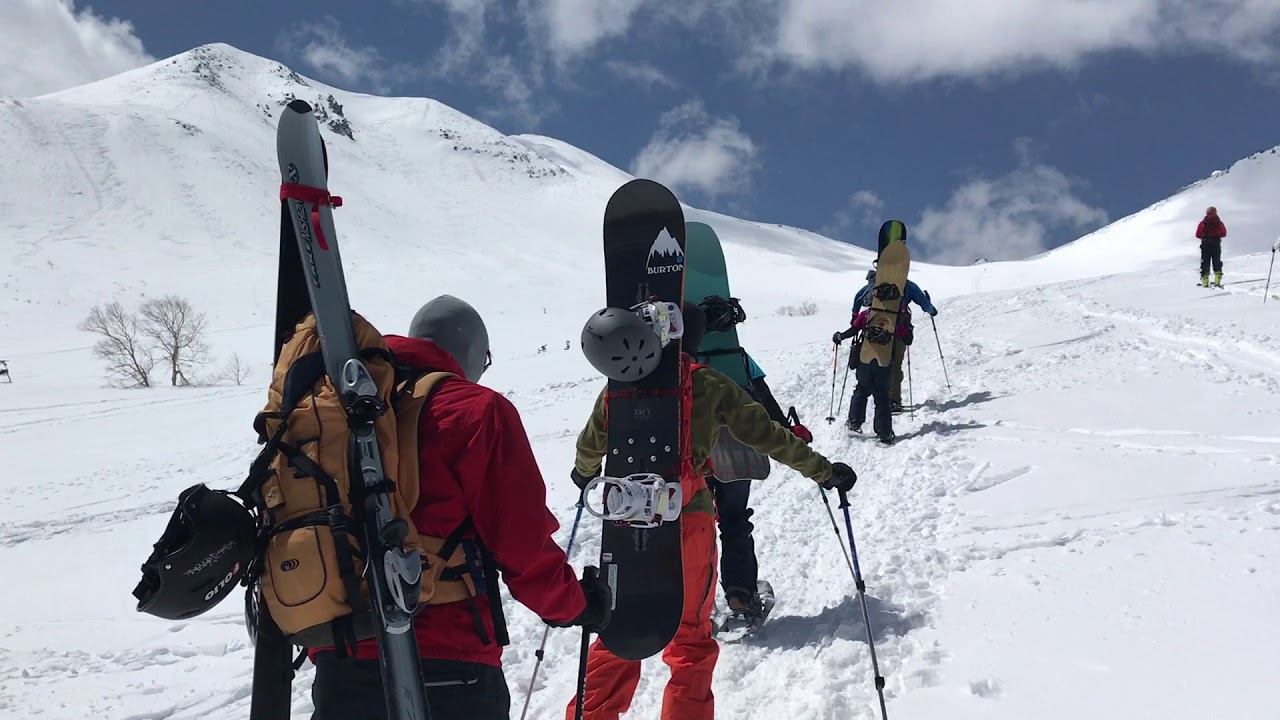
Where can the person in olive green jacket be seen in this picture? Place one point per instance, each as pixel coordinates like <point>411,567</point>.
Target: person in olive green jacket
<point>718,402</point>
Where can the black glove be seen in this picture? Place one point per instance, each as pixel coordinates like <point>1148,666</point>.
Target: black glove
<point>837,337</point>
<point>579,479</point>
<point>842,478</point>
<point>595,616</point>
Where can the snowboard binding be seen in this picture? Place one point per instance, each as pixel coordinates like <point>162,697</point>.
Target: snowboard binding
<point>887,292</point>
<point>641,500</point>
<point>879,335</point>
<point>722,314</point>
<point>664,318</point>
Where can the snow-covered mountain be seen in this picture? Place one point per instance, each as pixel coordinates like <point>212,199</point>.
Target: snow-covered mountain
<point>1081,518</point>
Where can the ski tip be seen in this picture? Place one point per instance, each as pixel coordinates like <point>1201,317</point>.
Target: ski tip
<point>300,106</point>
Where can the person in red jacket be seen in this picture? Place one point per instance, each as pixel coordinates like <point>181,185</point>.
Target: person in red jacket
<point>1211,230</point>
<point>478,472</point>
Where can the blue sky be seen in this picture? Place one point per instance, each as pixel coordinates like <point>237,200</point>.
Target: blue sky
<point>994,128</point>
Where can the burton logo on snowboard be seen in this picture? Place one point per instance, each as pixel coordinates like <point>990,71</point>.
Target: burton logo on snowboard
<point>665,255</point>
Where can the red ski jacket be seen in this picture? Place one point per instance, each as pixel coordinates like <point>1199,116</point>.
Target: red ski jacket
<point>1215,230</point>
<point>476,462</point>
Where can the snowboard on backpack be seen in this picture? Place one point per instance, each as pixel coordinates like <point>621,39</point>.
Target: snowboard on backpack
<point>892,264</point>
<point>647,425</point>
<point>707,284</point>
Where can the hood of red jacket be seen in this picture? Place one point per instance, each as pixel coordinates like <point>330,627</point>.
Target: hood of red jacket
<point>422,355</point>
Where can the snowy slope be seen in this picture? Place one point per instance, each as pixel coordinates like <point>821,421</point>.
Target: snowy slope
<point>177,161</point>
<point>1084,525</point>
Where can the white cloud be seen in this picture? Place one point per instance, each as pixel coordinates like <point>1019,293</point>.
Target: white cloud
<point>1006,218</point>
<point>915,40</point>
<point>537,43</point>
<point>47,45</point>
<point>323,48</point>
<point>468,19</point>
<point>641,73</point>
<point>517,91</point>
<point>572,27</point>
<point>692,150</point>
<point>861,212</point>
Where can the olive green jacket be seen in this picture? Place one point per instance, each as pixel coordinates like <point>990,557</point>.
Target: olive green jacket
<point>717,402</point>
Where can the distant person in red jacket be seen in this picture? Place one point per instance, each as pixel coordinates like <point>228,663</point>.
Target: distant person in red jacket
<point>1211,230</point>
<point>478,477</point>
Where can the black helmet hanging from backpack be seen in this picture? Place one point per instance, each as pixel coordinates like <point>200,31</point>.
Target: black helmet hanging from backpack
<point>202,555</point>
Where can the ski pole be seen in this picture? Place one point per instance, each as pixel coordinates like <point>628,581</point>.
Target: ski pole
<point>862,597</point>
<point>941,359</point>
<point>911,395</point>
<point>843,383</point>
<point>836,528</point>
<point>568,551</point>
<point>1273,264</point>
<point>583,654</point>
<point>835,364</point>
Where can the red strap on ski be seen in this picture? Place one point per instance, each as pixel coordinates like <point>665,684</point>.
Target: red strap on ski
<point>316,197</point>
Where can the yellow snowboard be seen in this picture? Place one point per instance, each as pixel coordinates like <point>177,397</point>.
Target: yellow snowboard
<point>879,337</point>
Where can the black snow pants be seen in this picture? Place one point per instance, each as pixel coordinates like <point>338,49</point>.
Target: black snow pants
<point>873,382</point>
<point>1210,252</point>
<point>351,689</point>
<point>739,572</point>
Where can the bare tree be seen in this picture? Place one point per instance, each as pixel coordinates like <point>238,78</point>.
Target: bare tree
<point>179,331</point>
<point>236,370</point>
<point>121,344</point>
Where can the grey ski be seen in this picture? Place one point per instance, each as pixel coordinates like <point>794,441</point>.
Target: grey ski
<point>394,574</point>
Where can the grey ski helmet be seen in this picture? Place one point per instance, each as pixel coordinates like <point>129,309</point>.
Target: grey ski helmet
<point>621,345</point>
<point>457,329</point>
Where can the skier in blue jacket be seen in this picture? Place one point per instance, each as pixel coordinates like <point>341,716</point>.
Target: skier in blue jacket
<point>912,294</point>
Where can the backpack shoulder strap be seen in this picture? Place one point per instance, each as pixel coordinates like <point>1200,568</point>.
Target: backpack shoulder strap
<point>411,398</point>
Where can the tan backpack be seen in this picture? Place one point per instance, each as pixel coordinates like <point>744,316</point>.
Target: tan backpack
<point>310,566</point>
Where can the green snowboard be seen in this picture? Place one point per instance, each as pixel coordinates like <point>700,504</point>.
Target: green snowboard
<point>705,275</point>
<point>892,266</point>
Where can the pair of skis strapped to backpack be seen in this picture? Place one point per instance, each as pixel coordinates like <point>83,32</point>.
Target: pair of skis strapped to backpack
<point>393,570</point>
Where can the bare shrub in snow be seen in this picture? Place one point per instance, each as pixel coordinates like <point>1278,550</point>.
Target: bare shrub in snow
<point>806,308</point>
<point>236,370</point>
<point>122,344</point>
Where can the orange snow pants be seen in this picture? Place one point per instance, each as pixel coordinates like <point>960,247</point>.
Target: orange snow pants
<point>691,654</point>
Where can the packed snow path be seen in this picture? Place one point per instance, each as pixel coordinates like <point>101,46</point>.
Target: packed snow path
<point>1084,526</point>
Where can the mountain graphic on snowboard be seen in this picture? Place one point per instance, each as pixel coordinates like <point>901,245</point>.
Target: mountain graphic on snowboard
<point>665,255</point>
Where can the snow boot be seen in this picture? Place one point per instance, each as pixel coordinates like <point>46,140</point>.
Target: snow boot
<point>1217,280</point>
<point>886,438</point>
<point>1204,280</point>
<point>853,427</point>
<point>895,407</point>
